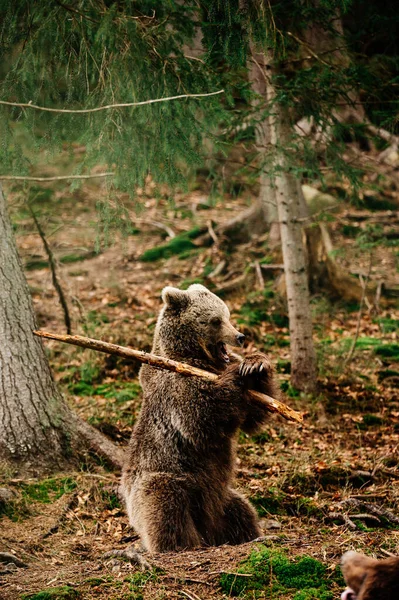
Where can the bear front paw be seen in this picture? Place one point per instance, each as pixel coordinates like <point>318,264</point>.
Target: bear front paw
<point>256,365</point>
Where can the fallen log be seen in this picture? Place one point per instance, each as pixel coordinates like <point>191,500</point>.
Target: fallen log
<point>159,362</point>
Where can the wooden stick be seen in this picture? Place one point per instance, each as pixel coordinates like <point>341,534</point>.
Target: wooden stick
<point>159,362</point>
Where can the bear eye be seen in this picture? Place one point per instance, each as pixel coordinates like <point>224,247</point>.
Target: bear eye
<point>216,321</point>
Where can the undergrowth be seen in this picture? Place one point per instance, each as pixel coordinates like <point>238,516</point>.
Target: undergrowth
<point>269,573</point>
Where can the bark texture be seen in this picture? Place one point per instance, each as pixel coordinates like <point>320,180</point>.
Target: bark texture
<point>267,204</point>
<point>291,210</point>
<point>37,428</point>
<point>33,416</point>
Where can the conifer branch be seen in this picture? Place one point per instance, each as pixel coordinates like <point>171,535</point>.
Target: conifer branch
<point>108,106</point>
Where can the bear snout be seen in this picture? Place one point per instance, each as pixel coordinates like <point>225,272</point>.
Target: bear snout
<point>348,594</point>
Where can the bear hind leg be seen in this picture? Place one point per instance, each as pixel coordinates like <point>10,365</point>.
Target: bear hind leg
<point>240,522</point>
<point>165,520</point>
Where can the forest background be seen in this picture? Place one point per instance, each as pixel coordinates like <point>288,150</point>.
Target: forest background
<point>275,185</point>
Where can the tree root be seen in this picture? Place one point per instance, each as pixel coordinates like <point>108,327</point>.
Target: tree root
<point>341,517</point>
<point>373,510</point>
<point>132,555</point>
<point>97,442</point>
<point>10,563</point>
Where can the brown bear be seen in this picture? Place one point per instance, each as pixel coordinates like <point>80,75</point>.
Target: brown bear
<point>177,483</point>
<point>370,579</point>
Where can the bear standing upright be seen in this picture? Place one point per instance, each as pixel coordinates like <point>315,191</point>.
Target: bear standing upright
<point>178,478</point>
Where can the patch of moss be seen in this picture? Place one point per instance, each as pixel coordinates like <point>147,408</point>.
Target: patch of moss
<point>255,310</point>
<point>270,573</point>
<point>137,582</point>
<point>116,391</point>
<point>177,245</point>
<point>97,318</point>
<point>64,592</point>
<point>386,373</point>
<point>350,230</point>
<point>35,264</point>
<point>283,366</point>
<point>48,490</point>
<point>272,504</point>
<point>111,499</point>
<point>290,391</point>
<point>388,325</point>
<point>388,351</point>
<point>370,420</point>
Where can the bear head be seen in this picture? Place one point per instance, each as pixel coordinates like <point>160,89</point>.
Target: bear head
<point>195,323</point>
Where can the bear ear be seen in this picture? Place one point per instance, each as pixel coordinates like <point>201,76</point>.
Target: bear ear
<point>174,297</point>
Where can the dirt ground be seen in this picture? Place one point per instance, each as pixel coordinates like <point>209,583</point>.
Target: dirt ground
<point>321,488</point>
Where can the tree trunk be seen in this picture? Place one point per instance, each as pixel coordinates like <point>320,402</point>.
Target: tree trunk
<point>267,194</point>
<point>37,429</point>
<point>291,209</point>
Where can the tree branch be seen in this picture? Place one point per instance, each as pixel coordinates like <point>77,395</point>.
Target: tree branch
<point>159,362</point>
<point>53,269</point>
<point>55,178</point>
<point>108,106</point>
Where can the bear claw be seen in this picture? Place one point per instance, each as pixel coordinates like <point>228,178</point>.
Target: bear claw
<point>257,364</point>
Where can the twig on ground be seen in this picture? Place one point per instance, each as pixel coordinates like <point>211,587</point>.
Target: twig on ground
<point>157,224</point>
<point>365,516</point>
<point>190,595</point>
<point>53,269</point>
<point>232,284</point>
<point>218,269</point>
<point>212,233</point>
<point>342,517</point>
<point>275,267</point>
<point>375,510</point>
<point>8,558</point>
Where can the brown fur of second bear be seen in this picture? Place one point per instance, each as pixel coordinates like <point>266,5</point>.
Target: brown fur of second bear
<point>178,480</point>
<point>370,579</point>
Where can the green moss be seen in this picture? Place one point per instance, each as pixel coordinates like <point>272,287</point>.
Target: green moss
<point>64,592</point>
<point>283,366</point>
<point>177,245</point>
<point>116,391</point>
<point>111,499</point>
<point>388,325</point>
<point>350,230</point>
<point>272,504</point>
<point>370,420</point>
<point>270,573</point>
<point>386,373</point>
<point>137,582</point>
<point>35,264</point>
<point>388,351</point>
<point>290,391</point>
<point>48,490</point>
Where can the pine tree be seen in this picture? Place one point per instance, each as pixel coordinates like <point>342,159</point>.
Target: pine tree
<point>303,66</point>
<point>76,58</point>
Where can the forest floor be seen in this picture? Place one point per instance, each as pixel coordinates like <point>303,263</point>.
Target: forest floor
<point>322,488</point>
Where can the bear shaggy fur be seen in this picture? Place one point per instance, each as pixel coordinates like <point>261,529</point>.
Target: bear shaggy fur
<point>370,579</point>
<point>178,479</point>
